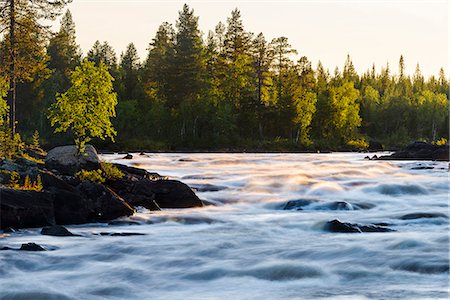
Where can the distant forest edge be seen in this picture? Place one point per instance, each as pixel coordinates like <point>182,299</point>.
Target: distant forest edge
<point>231,89</point>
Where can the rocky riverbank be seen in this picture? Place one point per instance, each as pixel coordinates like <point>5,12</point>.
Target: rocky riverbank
<point>420,151</point>
<point>66,199</point>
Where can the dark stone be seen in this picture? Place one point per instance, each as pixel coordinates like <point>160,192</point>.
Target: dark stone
<point>132,171</point>
<point>338,226</point>
<point>21,209</point>
<point>174,194</point>
<point>9,230</point>
<point>363,205</point>
<point>420,151</point>
<point>6,248</point>
<point>137,191</point>
<point>66,160</point>
<point>52,181</point>
<point>208,187</point>
<point>103,202</point>
<point>57,230</point>
<point>422,168</point>
<point>414,216</point>
<point>121,233</point>
<point>128,156</point>
<point>441,154</point>
<point>26,162</point>
<point>31,247</point>
<point>337,205</point>
<point>298,204</point>
<point>9,165</point>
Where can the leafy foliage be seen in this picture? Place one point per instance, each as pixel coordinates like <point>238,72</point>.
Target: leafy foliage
<point>87,107</point>
<point>111,172</point>
<point>94,176</point>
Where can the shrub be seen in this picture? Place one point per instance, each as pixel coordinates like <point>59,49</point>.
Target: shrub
<point>111,172</point>
<point>94,176</point>
<point>441,142</point>
<point>359,144</point>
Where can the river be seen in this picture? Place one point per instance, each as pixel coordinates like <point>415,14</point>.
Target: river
<point>246,246</point>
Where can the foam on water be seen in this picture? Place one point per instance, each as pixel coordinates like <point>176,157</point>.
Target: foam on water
<point>247,246</point>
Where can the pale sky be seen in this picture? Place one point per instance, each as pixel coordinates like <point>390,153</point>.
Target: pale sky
<point>371,31</point>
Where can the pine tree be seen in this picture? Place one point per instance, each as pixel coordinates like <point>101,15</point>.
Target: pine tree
<point>189,66</point>
<point>63,50</point>
<point>129,71</point>
<point>23,41</point>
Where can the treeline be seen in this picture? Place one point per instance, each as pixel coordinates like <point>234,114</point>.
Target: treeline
<point>232,89</point>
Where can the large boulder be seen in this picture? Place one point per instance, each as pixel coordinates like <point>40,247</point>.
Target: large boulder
<point>174,194</point>
<point>91,202</point>
<point>21,209</point>
<point>66,159</point>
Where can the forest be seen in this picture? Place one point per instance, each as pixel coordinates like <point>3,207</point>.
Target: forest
<point>227,90</point>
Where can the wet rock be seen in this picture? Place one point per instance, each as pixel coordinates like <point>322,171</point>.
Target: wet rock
<point>26,162</point>
<point>131,172</point>
<point>21,209</point>
<point>338,226</point>
<point>423,266</point>
<point>137,191</point>
<point>337,205</point>
<point>298,204</point>
<point>121,233</point>
<point>420,151</point>
<point>128,156</point>
<point>31,247</point>
<point>67,161</point>
<point>51,181</point>
<point>56,230</point>
<point>90,202</point>
<point>9,230</point>
<point>422,168</point>
<point>193,220</point>
<point>103,202</point>
<point>9,165</point>
<point>174,194</point>
<point>363,205</point>
<point>414,216</point>
<point>208,187</point>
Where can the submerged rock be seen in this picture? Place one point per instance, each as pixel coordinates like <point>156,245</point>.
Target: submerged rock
<point>298,204</point>
<point>57,230</point>
<point>413,216</point>
<point>128,156</point>
<point>31,247</point>
<point>66,159</point>
<point>338,226</point>
<point>121,233</point>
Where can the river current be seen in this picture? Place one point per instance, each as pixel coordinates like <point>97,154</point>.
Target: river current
<point>245,245</point>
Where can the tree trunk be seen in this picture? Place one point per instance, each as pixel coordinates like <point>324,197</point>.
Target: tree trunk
<point>12,69</point>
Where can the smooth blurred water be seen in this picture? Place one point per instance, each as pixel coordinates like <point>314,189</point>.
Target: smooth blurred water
<point>247,246</point>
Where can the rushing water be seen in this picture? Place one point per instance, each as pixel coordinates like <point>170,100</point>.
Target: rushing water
<point>246,246</point>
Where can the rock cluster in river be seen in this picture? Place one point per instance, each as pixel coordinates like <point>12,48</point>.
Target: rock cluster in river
<point>420,151</point>
<point>67,200</point>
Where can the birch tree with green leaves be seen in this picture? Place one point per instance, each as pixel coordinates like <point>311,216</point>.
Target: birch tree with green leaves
<point>88,106</point>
